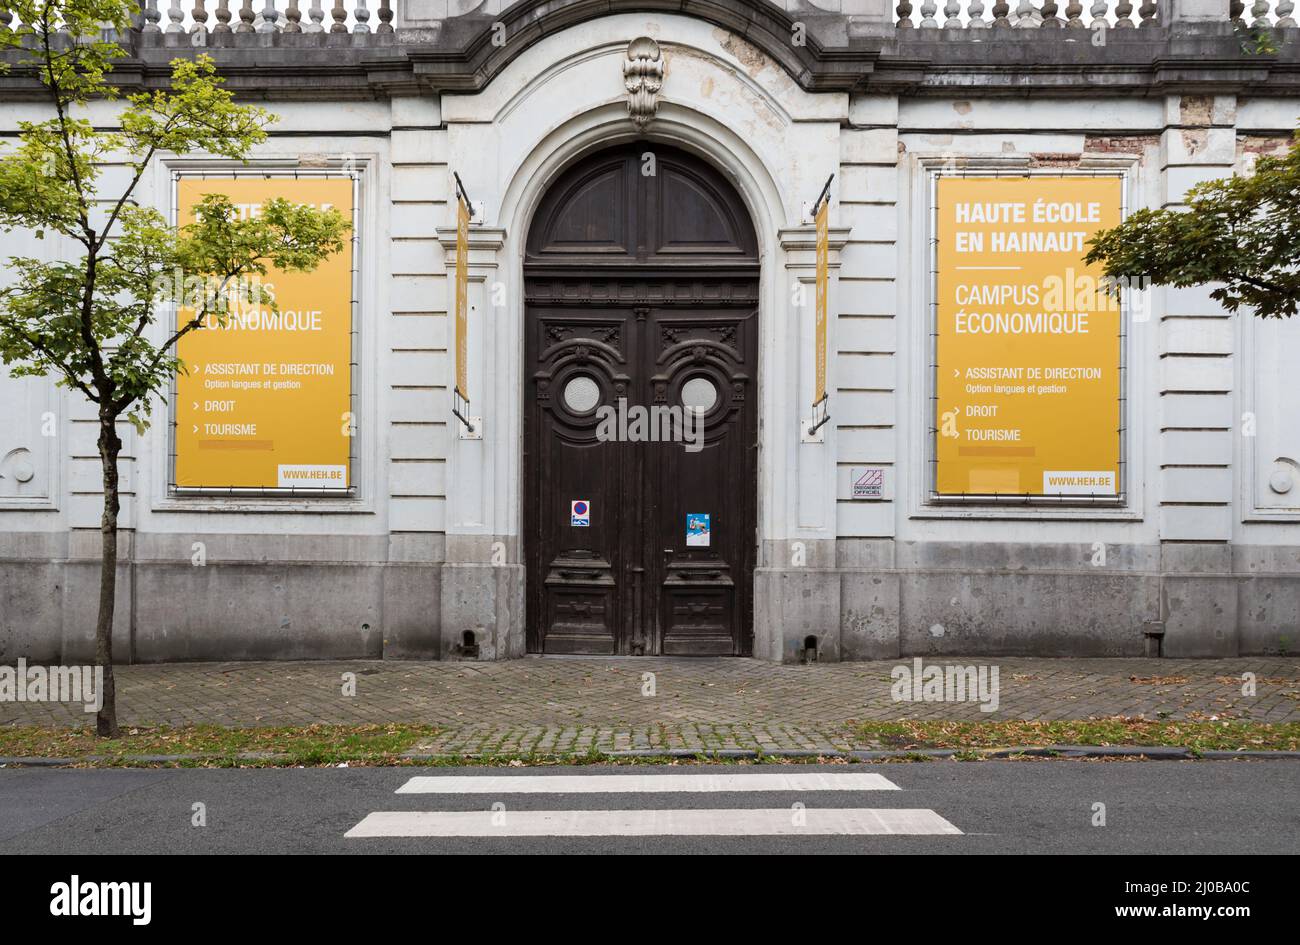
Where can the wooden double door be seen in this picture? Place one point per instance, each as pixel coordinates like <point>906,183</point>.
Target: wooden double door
<point>640,413</point>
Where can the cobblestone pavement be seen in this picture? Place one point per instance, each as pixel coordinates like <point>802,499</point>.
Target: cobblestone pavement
<point>571,705</point>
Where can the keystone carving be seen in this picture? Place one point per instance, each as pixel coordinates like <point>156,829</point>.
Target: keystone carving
<point>643,76</point>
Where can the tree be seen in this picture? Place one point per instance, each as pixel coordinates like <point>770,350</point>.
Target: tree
<point>1243,232</point>
<point>102,320</point>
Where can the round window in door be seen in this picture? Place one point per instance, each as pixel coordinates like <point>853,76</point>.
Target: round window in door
<point>700,393</point>
<point>581,393</point>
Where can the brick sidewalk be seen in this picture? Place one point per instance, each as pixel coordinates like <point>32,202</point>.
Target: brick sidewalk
<point>571,705</point>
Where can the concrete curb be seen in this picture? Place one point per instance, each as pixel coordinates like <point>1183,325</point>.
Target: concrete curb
<point>134,759</point>
<point>1148,752</point>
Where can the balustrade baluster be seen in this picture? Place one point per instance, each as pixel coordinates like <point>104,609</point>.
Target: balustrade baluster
<point>976,12</point>
<point>151,16</point>
<point>246,18</point>
<point>1122,11</point>
<point>1284,10</point>
<point>270,18</point>
<point>928,10</point>
<point>905,14</point>
<point>316,14</point>
<point>340,16</point>
<point>385,17</point>
<point>1026,15</point>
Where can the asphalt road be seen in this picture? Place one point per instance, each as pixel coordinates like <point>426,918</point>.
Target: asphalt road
<point>1154,807</point>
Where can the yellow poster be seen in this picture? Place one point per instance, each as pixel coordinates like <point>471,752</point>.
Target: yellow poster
<point>1027,352</point>
<point>462,299</point>
<point>266,402</point>
<point>823,280</point>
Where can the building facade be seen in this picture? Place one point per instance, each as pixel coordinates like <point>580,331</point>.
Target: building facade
<point>643,179</point>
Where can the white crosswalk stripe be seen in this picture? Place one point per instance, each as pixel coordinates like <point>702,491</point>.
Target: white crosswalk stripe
<point>660,821</point>
<point>763,822</point>
<point>645,783</point>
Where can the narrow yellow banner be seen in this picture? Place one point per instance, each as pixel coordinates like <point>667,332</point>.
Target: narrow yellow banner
<point>823,282</point>
<point>462,299</point>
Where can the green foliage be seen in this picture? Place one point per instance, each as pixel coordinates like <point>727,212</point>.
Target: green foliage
<point>1241,234</point>
<point>1256,39</point>
<point>92,319</point>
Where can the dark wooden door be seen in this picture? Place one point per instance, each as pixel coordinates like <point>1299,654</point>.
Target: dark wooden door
<point>641,281</point>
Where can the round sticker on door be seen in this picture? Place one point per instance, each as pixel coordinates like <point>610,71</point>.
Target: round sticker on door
<point>579,513</point>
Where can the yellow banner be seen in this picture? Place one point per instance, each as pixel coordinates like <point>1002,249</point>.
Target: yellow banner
<point>266,402</point>
<point>823,284</point>
<point>1027,345</point>
<point>462,298</point>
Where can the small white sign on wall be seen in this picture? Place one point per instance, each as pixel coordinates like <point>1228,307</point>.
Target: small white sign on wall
<point>867,482</point>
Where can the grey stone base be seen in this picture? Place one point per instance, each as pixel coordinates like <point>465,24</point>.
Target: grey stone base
<point>482,611</point>
<point>856,599</point>
<point>883,600</point>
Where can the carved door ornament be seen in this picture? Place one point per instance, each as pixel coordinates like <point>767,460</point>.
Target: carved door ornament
<point>643,76</point>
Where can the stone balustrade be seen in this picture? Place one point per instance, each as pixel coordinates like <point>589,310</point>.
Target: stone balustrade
<point>1264,12</point>
<point>202,18</point>
<point>217,17</point>
<point>1025,14</point>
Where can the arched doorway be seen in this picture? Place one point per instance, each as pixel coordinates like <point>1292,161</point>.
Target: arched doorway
<point>641,283</point>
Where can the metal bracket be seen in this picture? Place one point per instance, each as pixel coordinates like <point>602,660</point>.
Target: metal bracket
<point>812,432</point>
<point>471,427</point>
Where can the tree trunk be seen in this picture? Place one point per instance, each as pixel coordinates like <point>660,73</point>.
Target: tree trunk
<point>109,448</point>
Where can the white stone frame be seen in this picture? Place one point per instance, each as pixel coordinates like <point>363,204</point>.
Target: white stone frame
<point>920,282</point>
<point>1246,449</point>
<point>54,448</point>
<point>58,401</point>
<point>492,485</point>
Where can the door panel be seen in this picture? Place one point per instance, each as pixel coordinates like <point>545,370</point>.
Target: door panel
<point>705,588</point>
<point>579,365</point>
<point>662,318</point>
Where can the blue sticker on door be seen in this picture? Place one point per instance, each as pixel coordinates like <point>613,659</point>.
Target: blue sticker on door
<point>697,529</point>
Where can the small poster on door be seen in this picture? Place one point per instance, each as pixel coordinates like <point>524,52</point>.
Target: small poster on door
<point>580,513</point>
<point>697,529</point>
